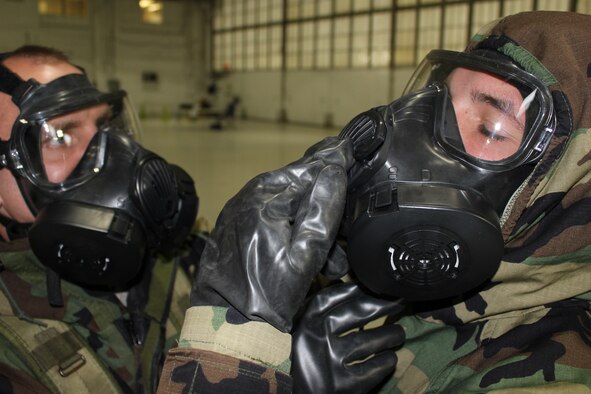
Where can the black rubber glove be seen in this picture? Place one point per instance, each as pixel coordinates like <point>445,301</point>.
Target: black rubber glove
<point>322,355</point>
<point>275,235</point>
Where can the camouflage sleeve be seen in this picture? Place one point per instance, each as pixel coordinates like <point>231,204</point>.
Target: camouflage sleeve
<point>220,351</point>
<point>15,376</point>
<point>539,350</point>
<point>13,381</point>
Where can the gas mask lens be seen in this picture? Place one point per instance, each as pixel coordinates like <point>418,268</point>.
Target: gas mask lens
<point>494,113</point>
<point>65,139</point>
<point>68,149</point>
<point>491,114</point>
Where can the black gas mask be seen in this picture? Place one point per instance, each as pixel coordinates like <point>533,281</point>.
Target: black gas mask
<point>434,171</point>
<point>103,203</point>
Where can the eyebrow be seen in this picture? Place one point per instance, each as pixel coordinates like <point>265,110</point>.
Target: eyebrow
<point>505,106</point>
<point>103,116</point>
<point>67,124</point>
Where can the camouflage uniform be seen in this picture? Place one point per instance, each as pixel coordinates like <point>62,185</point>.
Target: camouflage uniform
<point>93,343</point>
<point>531,326</point>
<point>529,329</point>
<point>218,343</point>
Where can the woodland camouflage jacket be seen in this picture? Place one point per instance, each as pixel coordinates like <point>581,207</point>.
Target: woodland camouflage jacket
<point>91,344</point>
<point>531,327</point>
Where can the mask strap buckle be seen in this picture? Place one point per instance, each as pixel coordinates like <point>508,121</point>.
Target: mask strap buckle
<point>13,85</point>
<point>4,152</point>
<point>9,81</point>
<point>54,288</point>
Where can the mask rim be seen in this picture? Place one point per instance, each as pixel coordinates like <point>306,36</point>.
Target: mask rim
<point>536,140</point>
<point>21,159</point>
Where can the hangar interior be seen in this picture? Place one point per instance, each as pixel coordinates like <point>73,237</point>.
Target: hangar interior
<point>290,72</point>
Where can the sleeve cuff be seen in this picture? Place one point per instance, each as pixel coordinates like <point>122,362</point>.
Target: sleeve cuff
<point>208,328</point>
<point>191,370</point>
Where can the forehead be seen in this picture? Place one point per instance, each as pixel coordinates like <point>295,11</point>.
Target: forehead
<point>466,78</point>
<point>43,71</point>
<point>85,114</point>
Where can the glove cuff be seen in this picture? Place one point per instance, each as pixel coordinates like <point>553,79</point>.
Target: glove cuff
<point>209,328</point>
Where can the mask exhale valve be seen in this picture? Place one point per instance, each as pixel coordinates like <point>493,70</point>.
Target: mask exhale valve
<point>430,245</point>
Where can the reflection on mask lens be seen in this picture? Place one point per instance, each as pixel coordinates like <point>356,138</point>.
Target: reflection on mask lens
<point>497,115</point>
<point>65,139</point>
<point>490,113</point>
<point>63,151</point>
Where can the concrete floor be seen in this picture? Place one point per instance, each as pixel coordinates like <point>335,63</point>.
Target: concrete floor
<point>221,162</point>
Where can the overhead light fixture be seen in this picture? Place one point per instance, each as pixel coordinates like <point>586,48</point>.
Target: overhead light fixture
<point>146,3</point>
<point>155,7</point>
<point>151,11</point>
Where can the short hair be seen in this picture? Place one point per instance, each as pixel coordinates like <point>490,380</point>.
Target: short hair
<point>39,54</point>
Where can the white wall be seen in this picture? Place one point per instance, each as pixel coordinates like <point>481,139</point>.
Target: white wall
<point>315,97</point>
<point>113,44</point>
<point>259,92</point>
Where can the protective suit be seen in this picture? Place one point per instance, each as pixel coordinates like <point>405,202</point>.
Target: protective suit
<point>92,342</point>
<point>526,327</point>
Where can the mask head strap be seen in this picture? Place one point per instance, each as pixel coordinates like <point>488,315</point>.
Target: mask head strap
<point>9,81</point>
<point>15,230</point>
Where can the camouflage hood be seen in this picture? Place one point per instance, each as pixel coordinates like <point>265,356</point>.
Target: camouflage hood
<point>547,226</point>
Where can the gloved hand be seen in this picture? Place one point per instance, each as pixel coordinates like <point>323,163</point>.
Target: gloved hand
<point>322,355</point>
<point>275,235</point>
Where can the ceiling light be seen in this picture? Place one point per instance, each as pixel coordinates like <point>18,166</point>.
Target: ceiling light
<point>145,3</point>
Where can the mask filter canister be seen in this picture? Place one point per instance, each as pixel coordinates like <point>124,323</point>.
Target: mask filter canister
<point>423,242</point>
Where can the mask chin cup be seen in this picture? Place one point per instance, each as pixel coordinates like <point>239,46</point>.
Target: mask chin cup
<point>87,245</point>
<point>404,245</point>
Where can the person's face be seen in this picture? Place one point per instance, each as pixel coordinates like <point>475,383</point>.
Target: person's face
<point>12,204</point>
<point>490,113</point>
<point>65,139</point>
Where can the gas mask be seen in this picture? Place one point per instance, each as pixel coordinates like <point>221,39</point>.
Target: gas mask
<point>435,169</point>
<point>103,203</point>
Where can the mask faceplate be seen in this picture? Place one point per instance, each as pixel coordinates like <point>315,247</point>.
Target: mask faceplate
<point>504,115</point>
<point>421,220</point>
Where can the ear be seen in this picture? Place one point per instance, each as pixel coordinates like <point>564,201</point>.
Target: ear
<point>13,209</point>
